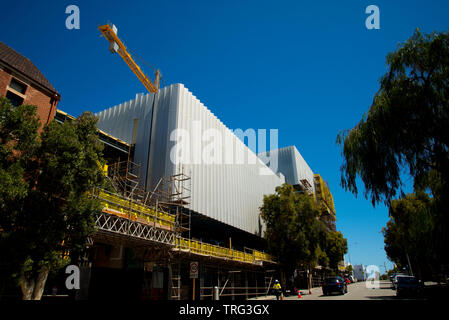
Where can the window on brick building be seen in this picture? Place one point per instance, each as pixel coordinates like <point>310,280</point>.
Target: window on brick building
<point>15,99</point>
<point>16,92</point>
<point>18,86</point>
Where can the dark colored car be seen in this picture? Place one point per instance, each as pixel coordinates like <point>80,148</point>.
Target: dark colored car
<point>408,286</point>
<point>394,280</point>
<point>334,284</point>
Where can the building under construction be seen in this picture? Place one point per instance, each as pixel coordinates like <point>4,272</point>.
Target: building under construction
<point>171,214</point>
<point>182,219</point>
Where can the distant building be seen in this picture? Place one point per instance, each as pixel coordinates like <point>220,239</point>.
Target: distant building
<point>359,272</point>
<point>22,83</point>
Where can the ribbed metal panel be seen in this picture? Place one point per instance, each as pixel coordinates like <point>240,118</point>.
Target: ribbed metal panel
<point>293,166</point>
<point>228,192</point>
<point>119,122</point>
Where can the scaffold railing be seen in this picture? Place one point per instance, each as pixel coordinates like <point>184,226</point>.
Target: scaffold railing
<point>128,208</point>
<point>125,216</point>
<point>208,249</point>
<point>136,230</point>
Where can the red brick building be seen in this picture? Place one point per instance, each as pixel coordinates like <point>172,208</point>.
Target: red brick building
<point>22,83</point>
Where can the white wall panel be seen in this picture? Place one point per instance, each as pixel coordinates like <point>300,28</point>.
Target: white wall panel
<point>119,122</point>
<point>292,165</point>
<point>230,193</point>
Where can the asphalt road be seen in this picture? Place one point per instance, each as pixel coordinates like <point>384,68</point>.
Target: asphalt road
<point>356,291</point>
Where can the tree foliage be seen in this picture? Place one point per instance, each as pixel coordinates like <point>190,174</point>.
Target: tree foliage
<point>45,179</point>
<point>405,132</point>
<point>411,231</point>
<point>336,247</point>
<point>294,232</point>
<point>406,126</point>
<point>350,269</point>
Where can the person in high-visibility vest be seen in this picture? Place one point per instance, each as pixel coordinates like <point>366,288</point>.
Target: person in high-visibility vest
<point>277,289</point>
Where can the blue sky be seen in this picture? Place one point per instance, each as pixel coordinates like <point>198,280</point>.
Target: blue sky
<point>308,69</point>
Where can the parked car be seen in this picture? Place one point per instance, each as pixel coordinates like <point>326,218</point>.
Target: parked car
<point>394,281</point>
<point>334,284</point>
<point>408,286</point>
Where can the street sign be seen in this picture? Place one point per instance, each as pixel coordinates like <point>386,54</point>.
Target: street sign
<point>193,270</point>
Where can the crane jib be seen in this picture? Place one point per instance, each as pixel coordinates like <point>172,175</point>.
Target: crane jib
<point>117,46</point>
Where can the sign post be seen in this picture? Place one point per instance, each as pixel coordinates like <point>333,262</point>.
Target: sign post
<point>193,275</point>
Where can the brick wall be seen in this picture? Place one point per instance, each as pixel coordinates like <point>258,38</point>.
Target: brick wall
<point>41,100</point>
<point>5,79</point>
<point>34,96</point>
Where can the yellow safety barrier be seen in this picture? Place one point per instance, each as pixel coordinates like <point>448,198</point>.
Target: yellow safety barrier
<point>117,205</point>
<point>217,251</point>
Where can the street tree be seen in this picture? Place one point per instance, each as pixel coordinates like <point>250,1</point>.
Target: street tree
<point>404,133</point>
<point>406,125</point>
<point>350,269</point>
<point>293,229</point>
<point>45,181</point>
<point>336,247</point>
<point>409,235</point>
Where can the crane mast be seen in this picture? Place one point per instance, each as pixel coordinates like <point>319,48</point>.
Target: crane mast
<point>117,46</point>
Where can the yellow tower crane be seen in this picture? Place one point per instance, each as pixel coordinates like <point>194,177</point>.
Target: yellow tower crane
<point>116,46</point>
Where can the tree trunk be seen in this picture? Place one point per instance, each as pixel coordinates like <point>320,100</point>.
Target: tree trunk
<point>33,287</point>
<point>27,286</point>
<point>39,283</point>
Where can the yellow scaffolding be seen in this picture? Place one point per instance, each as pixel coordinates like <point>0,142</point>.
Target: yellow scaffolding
<point>323,196</point>
<point>126,208</point>
<point>208,249</point>
<point>117,205</point>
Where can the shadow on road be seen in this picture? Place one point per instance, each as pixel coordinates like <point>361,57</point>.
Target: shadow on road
<point>382,297</point>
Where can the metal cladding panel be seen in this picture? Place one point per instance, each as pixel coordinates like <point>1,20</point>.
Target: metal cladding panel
<point>118,121</point>
<point>303,169</point>
<point>164,122</point>
<point>184,133</point>
<point>228,192</point>
<point>293,166</point>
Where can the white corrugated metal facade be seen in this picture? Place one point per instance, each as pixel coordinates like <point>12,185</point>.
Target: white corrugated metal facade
<point>120,120</point>
<point>293,166</point>
<point>221,189</point>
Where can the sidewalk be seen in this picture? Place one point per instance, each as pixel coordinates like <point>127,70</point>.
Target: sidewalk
<point>304,292</point>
